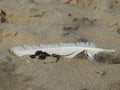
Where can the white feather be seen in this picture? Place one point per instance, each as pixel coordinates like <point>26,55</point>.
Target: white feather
<point>69,50</point>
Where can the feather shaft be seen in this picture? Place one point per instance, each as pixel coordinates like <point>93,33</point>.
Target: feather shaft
<point>69,50</point>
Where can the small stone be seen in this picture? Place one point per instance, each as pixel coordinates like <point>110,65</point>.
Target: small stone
<point>3,16</point>
<point>101,72</point>
<point>28,61</point>
<point>75,19</point>
<point>69,14</point>
<point>118,31</point>
<point>67,28</point>
<point>32,56</point>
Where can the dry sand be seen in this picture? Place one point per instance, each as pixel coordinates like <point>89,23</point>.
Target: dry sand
<point>34,22</point>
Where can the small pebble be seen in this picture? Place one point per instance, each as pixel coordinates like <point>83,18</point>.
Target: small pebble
<point>75,19</point>
<point>118,31</point>
<point>101,72</point>
<point>32,56</point>
<point>28,61</point>
<point>67,28</point>
<point>69,14</point>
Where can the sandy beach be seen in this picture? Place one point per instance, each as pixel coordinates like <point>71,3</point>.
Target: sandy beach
<point>35,22</point>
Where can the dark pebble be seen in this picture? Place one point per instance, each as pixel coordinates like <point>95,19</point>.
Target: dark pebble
<point>42,57</point>
<point>37,53</point>
<point>32,56</point>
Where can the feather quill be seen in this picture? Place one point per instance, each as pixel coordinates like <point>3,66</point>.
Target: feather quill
<point>68,50</point>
